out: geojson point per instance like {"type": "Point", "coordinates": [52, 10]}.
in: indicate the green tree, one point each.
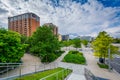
{"type": "Point", "coordinates": [24, 39]}
{"type": "Point", "coordinates": [116, 40]}
{"type": "Point", "coordinates": [44, 43]}
{"type": "Point", "coordinates": [77, 42]}
{"type": "Point", "coordinates": [85, 42]}
{"type": "Point", "coordinates": [66, 43]}
{"type": "Point", "coordinates": [11, 49]}
{"type": "Point", "coordinates": [102, 43]}
{"type": "Point", "coordinates": [113, 50]}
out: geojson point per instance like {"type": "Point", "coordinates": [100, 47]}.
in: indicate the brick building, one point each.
{"type": "Point", "coordinates": [53, 27]}
{"type": "Point", "coordinates": [24, 24]}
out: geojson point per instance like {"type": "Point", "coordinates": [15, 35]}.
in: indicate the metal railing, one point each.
{"type": "Point", "coordinates": [8, 71]}
{"type": "Point", "coordinates": [56, 75]}
{"type": "Point", "coordinates": [89, 75]}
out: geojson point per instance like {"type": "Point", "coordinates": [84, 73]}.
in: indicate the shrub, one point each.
{"type": "Point", "coordinates": [102, 65]}
{"type": "Point", "coordinates": [52, 56]}
{"type": "Point", "coordinates": [49, 58]}
{"type": "Point", "coordinates": [74, 52]}
{"type": "Point", "coordinates": [74, 57]}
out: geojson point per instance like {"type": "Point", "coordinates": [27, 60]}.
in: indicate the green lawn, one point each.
{"type": "Point", "coordinates": [74, 57]}
{"type": "Point", "coordinates": [39, 75]}
{"type": "Point", "coordinates": [101, 65]}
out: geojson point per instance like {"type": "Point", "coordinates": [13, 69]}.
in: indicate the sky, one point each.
{"type": "Point", "coordinates": [74, 17]}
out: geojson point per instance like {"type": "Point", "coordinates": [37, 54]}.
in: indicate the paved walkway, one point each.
{"type": "Point", "coordinates": [29, 62]}
{"type": "Point", "coordinates": [93, 67]}
{"type": "Point", "coordinates": [78, 70]}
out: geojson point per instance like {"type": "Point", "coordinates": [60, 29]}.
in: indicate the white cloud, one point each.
{"type": "Point", "coordinates": [70, 17]}
{"type": "Point", "coordinates": [113, 29]}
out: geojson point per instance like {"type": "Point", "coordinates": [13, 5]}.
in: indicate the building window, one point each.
{"type": "Point", "coordinates": [19, 17]}
{"type": "Point", "coordinates": [11, 19]}
{"type": "Point", "coordinates": [23, 16]}
{"type": "Point", "coordinates": [26, 16]}
{"type": "Point", "coordinates": [37, 19]}
{"type": "Point", "coordinates": [15, 18]}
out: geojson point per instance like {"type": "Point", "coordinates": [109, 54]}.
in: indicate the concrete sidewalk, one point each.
{"type": "Point", "coordinates": [78, 70]}
{"type": "Point", "coordinates": [99, 72]}
{"type": "Point", "coordinates": [27, 67]}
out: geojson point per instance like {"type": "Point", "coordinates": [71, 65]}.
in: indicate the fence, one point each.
{"type": "Point", "coordinates": [60, 75]}
{"type": "Point", "coordinates": [89, 75]}
{"type": "Point", "coordinates": [8, 71]}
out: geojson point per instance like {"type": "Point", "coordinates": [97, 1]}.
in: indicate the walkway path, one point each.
{"type": "Point", "coordinates": [93, 67]}
{"type": "Point", "coordinates": [78, 70]}
{"type": "Point", "coordinates": [29, 62]}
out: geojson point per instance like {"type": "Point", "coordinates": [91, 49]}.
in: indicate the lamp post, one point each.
{"type": "Point", "coordinates": [109, 59]}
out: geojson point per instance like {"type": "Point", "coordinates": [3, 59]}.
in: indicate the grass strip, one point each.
{"type": "Point", "coordinates": [37, 76]}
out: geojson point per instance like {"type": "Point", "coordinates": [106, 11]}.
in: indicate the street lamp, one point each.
{"type": "Point", "coordinates": [109, 59]}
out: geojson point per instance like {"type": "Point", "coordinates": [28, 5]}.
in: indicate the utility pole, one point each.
{"type": "Point", "coordinates": [109, 59]}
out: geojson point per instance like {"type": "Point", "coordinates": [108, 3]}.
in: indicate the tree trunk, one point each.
{"type": "Point", "coordinates": [104, 58]}
{"type": "Point", "coordinates": [46, 58]}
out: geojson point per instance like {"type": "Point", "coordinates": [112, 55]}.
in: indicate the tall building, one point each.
{"type": "Point", "coordinates": [65, 37]}
{"type": "Point", "coordinates": [24, 24]}
{"type": "Point", "coordinates": [53, 27]}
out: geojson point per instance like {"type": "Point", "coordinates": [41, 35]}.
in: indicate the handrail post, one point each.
{"type": "Point", "coordinates": [7, 70]}
{"type": "Point", "coordinates": [35, 67]}
{"type": "Point", "coordinates": [20, 71]}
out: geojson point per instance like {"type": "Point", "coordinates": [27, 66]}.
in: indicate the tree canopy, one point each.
{"type": "Point", "coordinates": [102, 43]}
{"type": "Point", "coordinates": [77, 43]}
{"type": "Point", "coordinates": [116, 40]}
{"type": "Point", "coordinates": [11, 49]}
{"type": "Point", "coordinates": [44, 43]}
{"type": "Point", "coordinates": [85, 42]}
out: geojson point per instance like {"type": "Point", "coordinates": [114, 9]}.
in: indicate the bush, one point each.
{"type": "Point", "coordinates": [74, 57]}
{"type": "Point", "coordinates": [73, 52]}
{"type": "Point", "coordinates": [59, 53]}
{"type": "Point", "coordinates": [52, 56]}
{"type": "Point", "coordinates": [102, 65]}
{"type": "Point", "coordinates": [49, 58]}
